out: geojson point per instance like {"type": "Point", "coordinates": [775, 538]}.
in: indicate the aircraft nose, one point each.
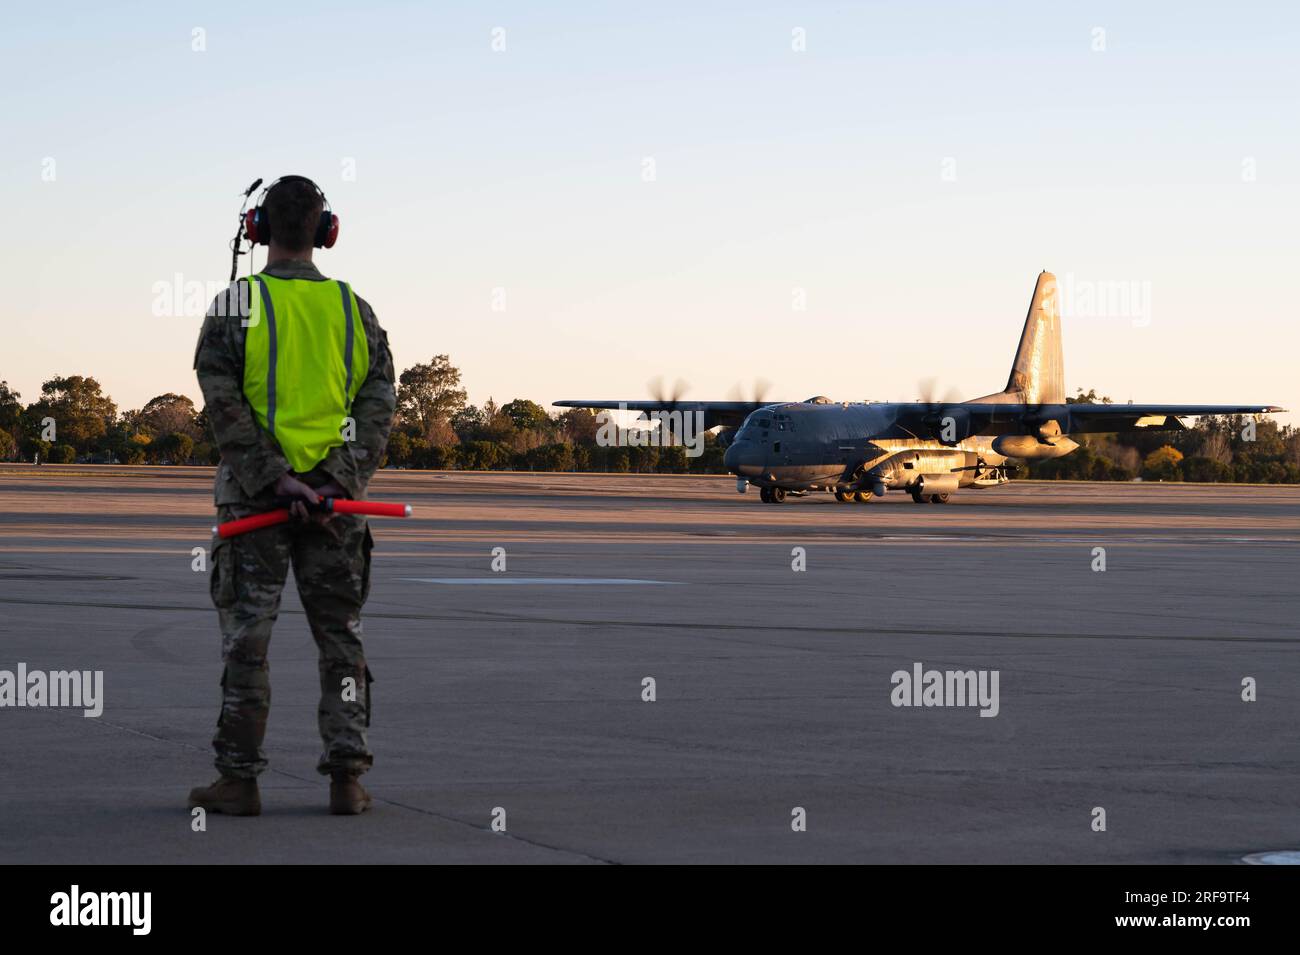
{"type": "Point", "coordinates": [743, 458]}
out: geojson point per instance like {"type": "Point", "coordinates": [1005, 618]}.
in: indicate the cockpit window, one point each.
{"type": "Point", "coordinates": [764, 422]}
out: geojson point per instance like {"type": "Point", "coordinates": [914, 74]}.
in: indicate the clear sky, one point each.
{"type": "Point", "coordinates": [904, 177]}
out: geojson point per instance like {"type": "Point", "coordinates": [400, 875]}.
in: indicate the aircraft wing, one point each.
{"type": "Point", "coordinates": [996, 418]}
{"type": "Point", "coordinates": [726, 413]}
{"type": "Point", "coordinates": [1083, 419]}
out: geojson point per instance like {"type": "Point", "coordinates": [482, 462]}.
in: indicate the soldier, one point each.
{"type": "Point", "coordinates": [298, 382]}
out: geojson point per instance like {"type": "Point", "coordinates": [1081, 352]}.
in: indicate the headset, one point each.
{"type": "Point", "coordinates": [257, 225]}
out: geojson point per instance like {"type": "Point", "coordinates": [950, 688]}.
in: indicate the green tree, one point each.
{"type": "Point", "coordinates": [526, 415]}
{"type": "Point", "coordinates": [1205, 469]}
{"type": "Point", "coordinates": [469, 423]}
{"type": "Point", "coordinates": [549, 457]}
{"type": "Point", "coordinates": [710, 462]}
{"type": "Point", "coordinates": [399, 449]}
{"type": "Point", "coordinates": [443, 457]}
{"type": "Point", "coordinates": [168, 414]}
{"type": "Point", "coordinates": [672, 460]}
{"type": "Point", "coordinates": [578, 425]}
{"type": "Point", "coordinates": [82, 413]}
{"type": "Point", "coordinates": [484, 456]}
{"type": "Point", "coordinates": [136, 450]}
{"type": "Point", "coordinates": [428, 395]}
{"type": "Point", "coordinates": [642, 459]}
{"type": "Point", "coordinates": [497, 425]}
{"type": "Point", "coordinates": [11, 410]}
{"type": "Point", "coordinates": [206, 453]}
{"type": "Point", "coordinates": [174, 448]}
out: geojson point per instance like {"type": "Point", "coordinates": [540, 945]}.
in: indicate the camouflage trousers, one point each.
{"type": "Point", "coordinates": [331, 566]}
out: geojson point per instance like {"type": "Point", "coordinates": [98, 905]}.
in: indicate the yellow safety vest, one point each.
{"type": "Point", "coordinates": [305, 357]}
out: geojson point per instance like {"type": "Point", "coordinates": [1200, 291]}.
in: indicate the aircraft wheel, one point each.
{"type": "Point", "coordinates": [864, 497]}
{"type": "Point", "coordinates": [844, 497]}
{"type": "Point", "coordinates": [919, 498]}
{"type": "Point", "coordinates": [939, 499]}
{"type": "Point", "coordinates": [778, 495]}
{"type": "Point", "coordinates": [765, 495]}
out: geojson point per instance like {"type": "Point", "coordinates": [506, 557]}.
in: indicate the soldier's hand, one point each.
{"type": "Point", "coordinates": [290, 486]}
{"type": "Point", "coordinates": [330, 489]}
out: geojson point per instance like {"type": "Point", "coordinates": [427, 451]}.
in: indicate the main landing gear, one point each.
{"type": "Point", "coordinates": [850, 496]}
{"type": "Point", "coordinates": [919, 498]}
{"type": "Point", "coordinates": [772, 495]}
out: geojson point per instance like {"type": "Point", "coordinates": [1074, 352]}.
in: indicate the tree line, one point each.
{"type": "Point", "coordinates": [1234, 448]}
{"type": "Point", "coordinates": [74, 421]}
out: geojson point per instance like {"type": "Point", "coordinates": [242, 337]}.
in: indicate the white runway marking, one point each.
{"type": "Point", "coordinates": [1281, 857]}
{"type": "Point", "coordinates": [536, 581]}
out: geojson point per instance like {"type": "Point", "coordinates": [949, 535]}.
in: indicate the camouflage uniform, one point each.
{"type": "Point", "coordinates": [331, 561]}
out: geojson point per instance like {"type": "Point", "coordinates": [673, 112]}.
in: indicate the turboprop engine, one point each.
{"type": "Point", "coordinates": [1029, 446]}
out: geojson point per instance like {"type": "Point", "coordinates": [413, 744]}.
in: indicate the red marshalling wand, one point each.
{"type": "Point", "coordinates": [335, 505]}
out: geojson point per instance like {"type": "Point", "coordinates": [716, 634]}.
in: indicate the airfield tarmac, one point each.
{"type": "Point", "coordinates": [1118, 689]}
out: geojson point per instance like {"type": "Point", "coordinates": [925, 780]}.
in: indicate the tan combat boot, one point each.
{"type": "Point", "coordinates": [347, 796]}
{"type": "Point", "coordinates": [230, 795]}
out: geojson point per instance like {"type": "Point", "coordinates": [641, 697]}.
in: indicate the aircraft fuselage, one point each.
{"type": "Point", "coordinates": [858, 447]}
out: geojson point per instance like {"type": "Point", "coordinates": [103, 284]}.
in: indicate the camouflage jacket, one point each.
{"type": "Point", "coordinates": [251, 459]}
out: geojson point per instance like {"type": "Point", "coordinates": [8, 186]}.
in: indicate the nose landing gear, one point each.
{"type": "Point", "coordinates": [772, 495]}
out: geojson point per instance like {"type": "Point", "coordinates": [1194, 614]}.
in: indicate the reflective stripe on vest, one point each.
{"type": "Point", "coordinates": [305, 357]}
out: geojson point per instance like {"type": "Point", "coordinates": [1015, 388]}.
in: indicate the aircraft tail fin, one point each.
{"type": "Point", "coordinates": [1038, 372]}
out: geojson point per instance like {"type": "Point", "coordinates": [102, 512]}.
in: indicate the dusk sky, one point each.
{"type": "Point", "coordinates": [840, 198]}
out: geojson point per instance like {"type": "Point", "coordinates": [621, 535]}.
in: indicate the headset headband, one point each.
{"type": "Point", "coordinates": [257, 224]}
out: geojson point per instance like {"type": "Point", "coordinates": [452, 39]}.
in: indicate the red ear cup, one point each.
{"type": "Point", "coordinates": [332, 233]}
{"type": "Point", "coordinates": [252, 221]}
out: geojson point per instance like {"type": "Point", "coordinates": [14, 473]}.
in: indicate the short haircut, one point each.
{"type": "Point", "coordinates": [294, 207]}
